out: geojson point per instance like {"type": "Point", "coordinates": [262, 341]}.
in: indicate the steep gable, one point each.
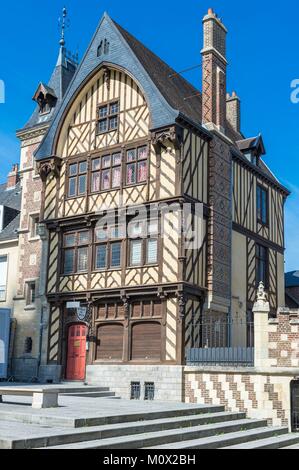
{"type": "Point", "coordinates": [165, 96]}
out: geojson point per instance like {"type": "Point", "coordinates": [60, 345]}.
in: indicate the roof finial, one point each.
{"type": "Point", "coordinates": [64, 25]}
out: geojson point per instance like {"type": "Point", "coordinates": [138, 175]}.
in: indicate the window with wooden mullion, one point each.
{"type": "Point", "coordinates": [108, 249]}
{"type": "Point", "coordinates": [77, 179]}
{"type": "Point", "coordinates": [137, 165]}
{"type": "Point", "coordinates": [108, 117]}
{"type": "Point", "coordinates": [144, 244]}
{"type": "Point", "coordinates": [106, 172]}
{"type": "Point", "coordinates": [76, 247]}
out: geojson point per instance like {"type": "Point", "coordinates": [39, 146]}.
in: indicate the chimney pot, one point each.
{"type": "Point", "coordinates": [13, 177]}
{"type": "Point", "coordinates": [233, 111]}
{"type": "Point", "coordinates": [214, 72]}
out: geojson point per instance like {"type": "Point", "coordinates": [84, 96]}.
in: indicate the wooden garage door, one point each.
{"type": "Point", "coordinates": [110, 342]}
{"type": "Point", "coordinates": [146, 341]}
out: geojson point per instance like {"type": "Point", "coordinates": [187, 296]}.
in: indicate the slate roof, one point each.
{"type": "Point", "coordinates": [252, 143]}
{"type": "Point", "coordinates": [58, 84]}
{"type": "Point", "coordinates": [291, 300]}
{"type": "Point", "coordinates": [175, 89]}
{"type": "Point", "coordinates": [292, 279]}
{"type": "Point", "coordinates": [11, 198]}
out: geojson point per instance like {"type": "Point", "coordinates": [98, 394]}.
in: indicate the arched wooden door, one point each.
{"type": "Point", "coordinates": [76, 354]}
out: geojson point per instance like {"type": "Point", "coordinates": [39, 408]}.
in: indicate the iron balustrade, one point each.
{"type": "Point", "coordinates": [220, 343]}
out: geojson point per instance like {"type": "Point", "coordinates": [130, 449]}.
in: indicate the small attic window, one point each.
{"type": "Point", "coordinates": [46, 99]}
{"type": "Point", "coordinates": [44, 107]}
{"type": "Point", "coordinates": [251, 157]}
{"type": "Point", "coordinates": [103, 48]}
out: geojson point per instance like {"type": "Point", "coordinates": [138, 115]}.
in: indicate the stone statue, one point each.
{"type": "Point", "coordinates": [261, 293]}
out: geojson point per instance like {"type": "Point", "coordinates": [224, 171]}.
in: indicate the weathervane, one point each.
{"type": "Point", "coordinates": [64, 23]}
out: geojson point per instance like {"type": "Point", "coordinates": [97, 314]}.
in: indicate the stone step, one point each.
{"type": "Point", "coordinates": [102, 394]}
{"type": "Point", "coordinates": [274, 442]}
{"type": "Point", "coordinates": [105, 432]}
{"type": "Point", "coordinates": [87, 389]}
{"type": "Point", "coordinates": [168, 436]}
{"type": "Point", "coordinates": [46, 419]}
{"type": "Point", "coordinates": [223, 441]}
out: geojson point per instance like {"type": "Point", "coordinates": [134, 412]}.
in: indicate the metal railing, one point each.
{"type": "Point", "coordinates": [235, 357]}
{"type": "Point", "coordinates": [220, 343]}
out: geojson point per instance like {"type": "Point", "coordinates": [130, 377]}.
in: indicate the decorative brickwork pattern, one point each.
{"type": "Point", "coordinates": [258, 395]}
{"type": "Point", "coordinates": [284, 339]}
{"type": "Point", "coordinates": [219, 227]}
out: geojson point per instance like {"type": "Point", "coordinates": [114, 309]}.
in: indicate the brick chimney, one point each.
{"type": "Point", "coordinates": [233, 111]}
{"type": "Point", "coordinates": [13, 177]}
{"type": "Point", "coordinates": [214, 72]}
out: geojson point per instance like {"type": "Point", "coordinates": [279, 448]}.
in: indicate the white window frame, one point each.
{"type": "Point", "coordinates": [6, 279]}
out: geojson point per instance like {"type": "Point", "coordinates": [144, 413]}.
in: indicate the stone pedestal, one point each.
{"type": "Point", "coordinates": [45, 400]}
{"type": "Point", "coordinates": [261, 312]}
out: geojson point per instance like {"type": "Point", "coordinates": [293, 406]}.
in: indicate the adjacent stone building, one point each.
{"type": "Point", "coordinates": [10, 207]}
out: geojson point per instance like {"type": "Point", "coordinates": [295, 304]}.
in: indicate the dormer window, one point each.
{"type": "Point", "coordinates": [251, 157]}
{"type": "Point", "coordinates": [46, 99]}
{"type": "Point", "coordinates": [103, 48]}
{"type": "Point", "coordinates": [252, 149]}
{"type": "Point", "coordinates": [44, 107]}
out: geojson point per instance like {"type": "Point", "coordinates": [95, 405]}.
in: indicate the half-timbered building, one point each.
{"type": "Point", "coordinates": [130, 131]}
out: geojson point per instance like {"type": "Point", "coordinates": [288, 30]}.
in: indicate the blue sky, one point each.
{"type": "Point", "coordinates": [262, 55]}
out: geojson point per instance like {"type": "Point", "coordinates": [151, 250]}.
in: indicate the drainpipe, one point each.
{"type": "Point", "coordinates": [40, 340]}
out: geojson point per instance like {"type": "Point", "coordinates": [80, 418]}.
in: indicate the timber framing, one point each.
{"type": "Point", "coordinates": [238, 156]}
{"type": "Point", "coordinates": [144, 298]}
{"type": "Point", "coordinates": [254, 236]}
{"type": "Point", "coordinates": [92, 217]}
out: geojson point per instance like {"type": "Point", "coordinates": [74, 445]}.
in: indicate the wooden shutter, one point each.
{"type": "Point", "coordinates": [110, 342]}
{"type": "Point", "coordinates": [146, 341]}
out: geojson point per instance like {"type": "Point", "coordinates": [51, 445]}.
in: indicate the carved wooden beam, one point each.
{"type": "Point", "coordinates": [173, 134]}
{"type": "Point", "coordinates": [46, 167]}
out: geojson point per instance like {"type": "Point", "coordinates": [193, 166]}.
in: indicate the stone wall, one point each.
{"type": "Point", "coordinates": [168, 380]}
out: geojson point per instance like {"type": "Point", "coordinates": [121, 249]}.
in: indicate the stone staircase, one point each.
{"type": "Point", "coordinates": [208, 427]}
{"type": "Point", "coordinates": [88, 392]}
{"type": "Point", "coordinates": [134, 425]}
